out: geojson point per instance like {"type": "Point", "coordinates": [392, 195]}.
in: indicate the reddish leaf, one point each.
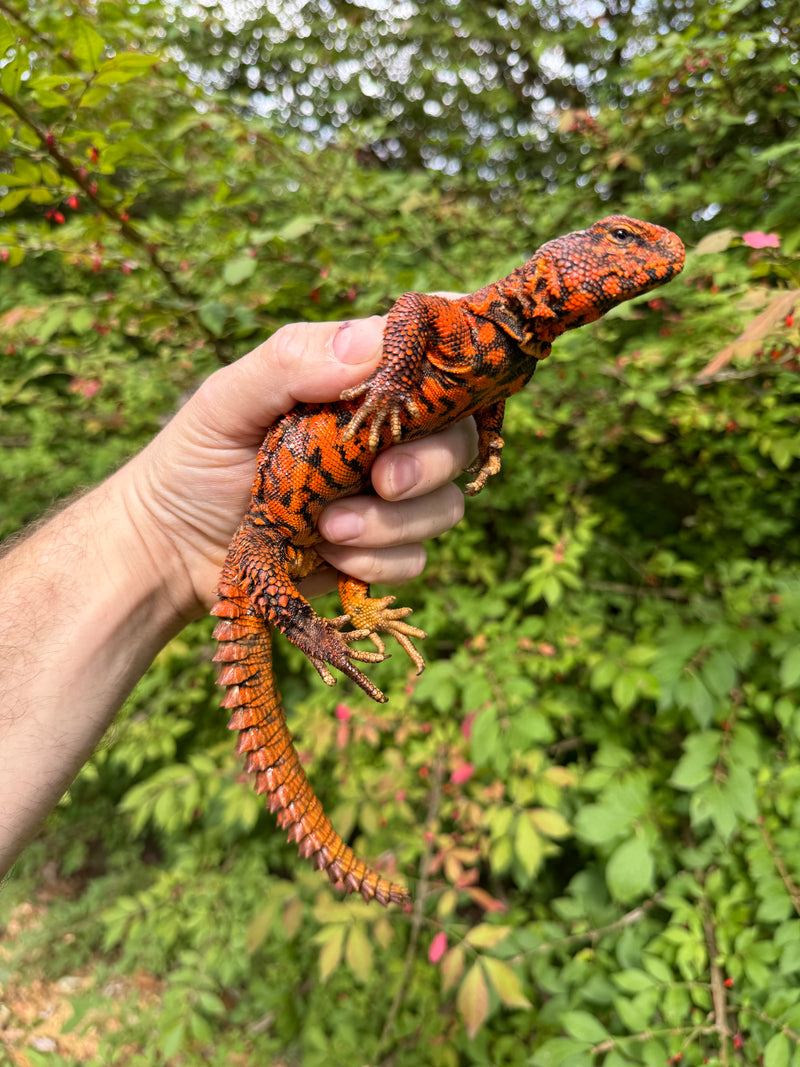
{"type": "Point", "coordinates": [486, 900]}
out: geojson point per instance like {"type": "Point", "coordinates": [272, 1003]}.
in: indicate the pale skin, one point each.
{"type": "Point", "coordinates": [89, 598]}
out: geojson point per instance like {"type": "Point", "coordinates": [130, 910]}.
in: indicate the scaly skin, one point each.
{"type": "Point", "coordinates": [442, 361]}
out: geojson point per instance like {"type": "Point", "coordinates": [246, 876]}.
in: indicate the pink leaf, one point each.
{"type": "Point", "coordinates": [438, 947]}
{"type": "Point", "coordinates": [757, 239]}
{"type": "Point", "coordinates": [462, 774]}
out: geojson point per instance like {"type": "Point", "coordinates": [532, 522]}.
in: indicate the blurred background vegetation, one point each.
{"type": "Point", "coordinates": [593, 791]}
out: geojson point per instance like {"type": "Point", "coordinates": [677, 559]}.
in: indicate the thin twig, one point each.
{"type": "Point", "coordinates": [791, 887]}
{"type": "Point", "coordinates": [718, 995]}
{"type": "Point", "coordinates": [631, 917]}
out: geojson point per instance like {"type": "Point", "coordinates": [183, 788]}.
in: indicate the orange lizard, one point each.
{"type": "Point", "coordinates": [443, 360]}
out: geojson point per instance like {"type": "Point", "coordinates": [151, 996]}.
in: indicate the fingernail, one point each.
{"type": "Point", "coordinates": [357, 341]}
{"type": "Point", "coordinates": [342, 525]}
{"type": "Point", "coordinates": [403, 474]}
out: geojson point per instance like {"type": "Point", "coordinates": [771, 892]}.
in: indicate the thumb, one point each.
{"type": "Point", "coordinates": [312, 361]}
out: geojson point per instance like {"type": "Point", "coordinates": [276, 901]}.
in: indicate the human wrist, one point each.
{"type": "Point", "coordinates": [145, 560]}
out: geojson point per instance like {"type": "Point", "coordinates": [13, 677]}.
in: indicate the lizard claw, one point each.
{"type": "Point", "coordinates": [331, 649]}
{"type": "Point", "coordinates": [378, 409]}
{"type": "Point", "coordinates": [487, 463]}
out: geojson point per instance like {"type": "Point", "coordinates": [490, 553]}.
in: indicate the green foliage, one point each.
{"type": "Point", "coordinates": [592, 791]}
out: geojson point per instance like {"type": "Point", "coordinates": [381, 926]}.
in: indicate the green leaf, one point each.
{"type": "Point", "coordinates": [549, 822]}
{"type": "Point", "coordinates": [238, 270]}
{"type": "Point", "coordinates": [11, 76]}
{"type": "Point", "coordinates": [80, 320]}
{"type": "Point", "coordinates": [527, 845]}
{"type": "Point", "coordinates": [87, 44]}
{"type": "Point", "coordinates": [597, 824]}
{"type": "Point", "coordinates": [556, 1052]}
{"type": "Point", "coordinates": [331, 952]}
{"type": "Point", "coordinates": [299, 226]}
{"type": "Point", "coordinates": [486, 935]}
{"type": "Point", "coordinates": [505, 983]}
{"type": "Point", "coordinates": [259, 927]}
{"type": "Point", "coordinates": [7, 35]}
{"type": "Point", "coordinates": [93, 96]}
{"type": "Point", "coordinates": [696, 766]}
{"type": "Point", "coordinates": [790, 668]}
{"type": "Point", "coordinates": [625, 689]}
{"type": "Point", "coordinates": [358, 953]}
{"type": "Point", "coordinates": [171, 1039]}
{"type": "Point", "coordinates": [13, 199]}
{"type": "Point", "coordinates": [630, 871]}
{"type": "Point", "coordinates": [213, 316]}
{"type": "Point", "coordinates": [583, 1027]}
{"type": "Point", "coordinates": [719, 673]}
{"type": "Point", "coordinates": [777, 1051]}
{"type": "Point", "coordinates": [124, 68]}
{"type": "Point", "coordinates": [634, 980]}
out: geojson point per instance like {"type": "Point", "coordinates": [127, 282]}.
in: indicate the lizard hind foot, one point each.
{"type": "Point", "coordinates": [328, 646]}
{"type": "Point", "coordinates": [373, 616]}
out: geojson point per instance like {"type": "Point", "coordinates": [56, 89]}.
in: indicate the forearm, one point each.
{"type": "Point", "coordinates": [82, 613]}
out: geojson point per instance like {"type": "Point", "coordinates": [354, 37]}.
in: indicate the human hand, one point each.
{"type": "Point", "coordinates": [189, 488]}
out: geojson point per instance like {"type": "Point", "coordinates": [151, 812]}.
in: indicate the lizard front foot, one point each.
{"type": "Point", "coordinates": [381, 403]}
{"type": "Point", "coordinates": [489, 421]}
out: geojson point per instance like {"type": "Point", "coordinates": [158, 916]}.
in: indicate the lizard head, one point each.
{"type": "Point", "coordinates": [590, 271]}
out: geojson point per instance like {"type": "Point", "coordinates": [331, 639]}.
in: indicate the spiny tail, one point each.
{"type": "Point", "coordinates": [258, 715]}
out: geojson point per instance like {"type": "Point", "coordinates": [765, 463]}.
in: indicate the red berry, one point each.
{"type": "Point", "coordinates": [73, 202]}
{"type": "Point", "coordinates": [124, 216]}
{"type": "Point", "coordinates": [789, 320]}
{"type": "Point", "coordinates": [728, 983]}
{"type": "Point", "coordinates": [94, 154]}
{"type": "Point", "coordinates": [59, 218]}
{"type": "Point", "coordinates": [738, 1041]}
{"type": "Point", "coordinates": [4, 255]}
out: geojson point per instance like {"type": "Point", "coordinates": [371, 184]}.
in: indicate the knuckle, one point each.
{"type": "Point", "coordinates": [392, 567]}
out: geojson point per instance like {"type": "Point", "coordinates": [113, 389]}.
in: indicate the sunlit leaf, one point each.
{"type": "Point", "coordinates": [472, 1000]}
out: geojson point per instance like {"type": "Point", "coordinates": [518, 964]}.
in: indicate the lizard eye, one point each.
{"type": "Point", "coordinates": [622, 235]}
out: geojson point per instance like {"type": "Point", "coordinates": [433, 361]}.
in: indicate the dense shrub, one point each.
{"type": "Point", "coordinates": [592, 789]}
